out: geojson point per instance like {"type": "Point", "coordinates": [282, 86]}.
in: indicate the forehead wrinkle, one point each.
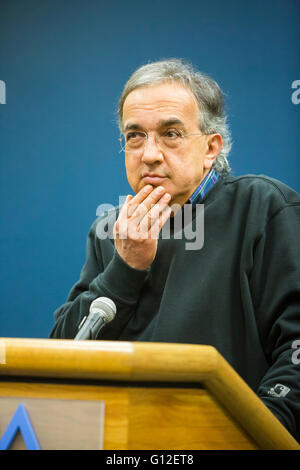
{"type": "Point", "coordinates": [135, 115]}
{"type": "Point", "coordinates": [158, 106]}
{"type": "Point", "coordinates": [162, 102]}
{"type": "Point", "coordinates": [154, 102]}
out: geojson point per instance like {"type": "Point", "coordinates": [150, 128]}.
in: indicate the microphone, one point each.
{"type": "Point", "coordinates": [102, 311]}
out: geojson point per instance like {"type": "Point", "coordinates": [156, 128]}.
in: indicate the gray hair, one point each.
{"type": "Point", "coordinates": [207, 92]}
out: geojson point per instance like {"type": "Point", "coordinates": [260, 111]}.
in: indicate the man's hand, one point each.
{"type": "Point", "coordinates": [137, 229]}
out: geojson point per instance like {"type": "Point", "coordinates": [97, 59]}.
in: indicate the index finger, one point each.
{"type": "Point", "coordinates": [141, 209]}
{"type": "Point", "coordinates": [138, 199]}
{"type": "Point", "coordinates": [126, 209]}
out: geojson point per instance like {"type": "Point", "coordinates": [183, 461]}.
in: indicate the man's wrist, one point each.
{"type": "Point", "coordinates": [122, 281]}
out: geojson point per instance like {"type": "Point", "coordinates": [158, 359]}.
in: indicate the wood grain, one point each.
{"type": "Point", "coordinates": [146, 418]}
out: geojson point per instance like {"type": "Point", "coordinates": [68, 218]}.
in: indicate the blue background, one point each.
{"type": "Point", "coordinates": [64, 64]}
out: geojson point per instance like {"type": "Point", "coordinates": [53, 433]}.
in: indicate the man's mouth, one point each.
{"type": "Point", "coordinates": [153, 178]}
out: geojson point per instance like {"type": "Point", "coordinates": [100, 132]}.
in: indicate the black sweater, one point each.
{"type": "Point", "coordinates": [239, 293]}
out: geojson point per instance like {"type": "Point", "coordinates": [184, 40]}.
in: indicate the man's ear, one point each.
{"type": "Point", "coordinates": [214, 145]}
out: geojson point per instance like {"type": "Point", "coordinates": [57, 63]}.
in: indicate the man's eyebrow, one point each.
{"type": "Point", "coordinates": [162, 123]}
{"type": "Point", "coordinates": [170, 122]}
{"type": "Point", "coordinates": [132, 127]}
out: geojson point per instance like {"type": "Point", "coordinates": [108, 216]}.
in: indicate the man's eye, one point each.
{"type": "Point", "coordinates": [172, 134]}
{"type": "Point", "coordinates": [133, 136]}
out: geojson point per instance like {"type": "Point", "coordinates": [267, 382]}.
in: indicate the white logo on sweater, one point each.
{"type": "Point", "coordinates": [279, 391]}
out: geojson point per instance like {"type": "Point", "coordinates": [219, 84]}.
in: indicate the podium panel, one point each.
{"type": "Point", "coordinates": [155, 396]}
{"type": "Point", "coordinates": [136, 417]}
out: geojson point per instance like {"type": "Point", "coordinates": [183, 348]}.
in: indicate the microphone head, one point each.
{"type": "Point", "coordinates": [105, 307]}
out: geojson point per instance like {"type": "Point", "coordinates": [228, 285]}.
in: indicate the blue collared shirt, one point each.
{"type": "Point", "coordinates": [206, 184]}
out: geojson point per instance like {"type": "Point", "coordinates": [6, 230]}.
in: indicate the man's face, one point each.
{"type": "Point", "coordinates": [157, 110]}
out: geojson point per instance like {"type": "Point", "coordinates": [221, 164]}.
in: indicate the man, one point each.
{"type": "Point", "coordinates": [240, 291]}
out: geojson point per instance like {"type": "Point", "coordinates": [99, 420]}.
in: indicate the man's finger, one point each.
{"type": "Point", "coordinates": [159, 222]}
{"type": "Point", "coordinates": [154, 213]}
{"type": "Point", "coordinates": [138, 199]}
{"type": "Point", "coordinates": [146, 205]}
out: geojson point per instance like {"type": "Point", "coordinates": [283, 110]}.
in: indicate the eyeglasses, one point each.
{"type": "Point", "coordinates": [135, 141]}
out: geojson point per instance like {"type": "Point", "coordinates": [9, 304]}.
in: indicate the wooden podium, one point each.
{"type": "Point", "coordinates": [156, 396]}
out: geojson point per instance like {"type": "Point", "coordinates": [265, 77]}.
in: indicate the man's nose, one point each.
{"type": "Point", "coordinates": [151, 152]}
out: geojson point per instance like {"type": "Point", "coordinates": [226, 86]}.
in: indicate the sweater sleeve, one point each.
{"type": "Point", "coordinates": [104, 274]}
{"type": "Point", "coordinates": [275, 284]}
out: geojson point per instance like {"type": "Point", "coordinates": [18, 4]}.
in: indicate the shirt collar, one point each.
{"type": "Point", "coordinates": [206, 184]}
